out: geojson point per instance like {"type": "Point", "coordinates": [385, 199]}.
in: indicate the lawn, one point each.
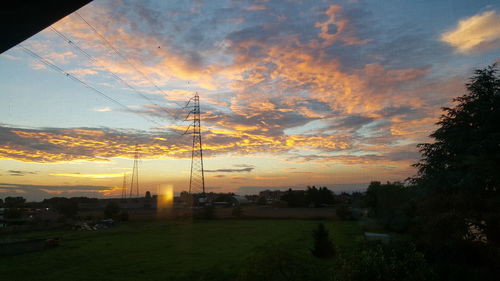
{"type": "Point", "coordinates": [163, 250]}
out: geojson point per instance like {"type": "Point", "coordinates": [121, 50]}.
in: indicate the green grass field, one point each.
{"type": "Point", "coordinates": [163, 250]}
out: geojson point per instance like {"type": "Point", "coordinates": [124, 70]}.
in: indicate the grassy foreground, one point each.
{"type": "Point", "coordinates": [163, 250]}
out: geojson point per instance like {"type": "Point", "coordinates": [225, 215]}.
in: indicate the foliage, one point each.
{"type": "Point", "coordinates": [459, 178]}
{"type": "Point", "coordinates": [112, 209]}
{"type": "Point", "coordinates": [14, 202]}
{"type": "Point", "coordinates": [323, 246]}
{"type": "Point", "coordinates": [319, 196]}
{"type": "Point", "coordinates": [294, 198]}
{"type": "Point", "coordinates": [391, 204]}
{"type": "Point", "coordinates": [64, 206]}
{"type": "Point", "coordinates": [387, 263]}
{"type": "Point", "coordinates": [344, 212]}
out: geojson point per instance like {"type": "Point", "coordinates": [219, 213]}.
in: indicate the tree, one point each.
{"type": "Point", "coordinates": [14, 202]}
{"type": "Point", "coordinates": [323, 246]}
{"type": "Point", "coordinates": [294, 198]}
{"type": "Point", "coordinates": [458, 173]}
{"type": "Point", "coordinates": [112, 209]}
{"type": "Point", "coordinates": [391, 204]}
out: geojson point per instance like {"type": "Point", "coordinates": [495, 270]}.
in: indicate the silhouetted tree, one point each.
{"type": "Point", "coordinates": [323, 246]}
{"type": "Point", "coordinates": [64, 206]}
{"type": "Point", "coordinates": [294, 198]}
{"type": "Point", "coordinates": [14, 202]}
{"type": "Point", "coordinates": [459, 172]}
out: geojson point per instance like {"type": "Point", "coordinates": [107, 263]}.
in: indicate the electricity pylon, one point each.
{"type": "Point", "coordinates": [135, 173]}
{"type": "Point", "coordinates": [197, 177]}
{"type": "Point", "coordinates": [124, 186]}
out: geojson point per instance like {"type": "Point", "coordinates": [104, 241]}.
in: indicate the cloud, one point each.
{"type": "Point", "coordinates": [18, 173]}
{"type": "Point", "coordinates": [249, 169]}
{"type": "Point", "coordinates": [479, 33]}
{"type": "Point", "coordinates": [88, 176]}
{"type": "Point", "coordinates": [39, 192]}
{"type": "Point", "coordinates": [104, 109]}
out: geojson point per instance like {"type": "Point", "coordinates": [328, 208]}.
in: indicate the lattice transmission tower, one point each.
{"type": "Point", "coordinates": [124, 186]}
{"type": "Point", "coordinates": [197, 178]}
{"type": "Point", "coordinates": [135, 173]}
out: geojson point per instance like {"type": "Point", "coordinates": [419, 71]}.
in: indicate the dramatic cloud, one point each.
{"type": "Point", "coordinates": [477, 33]}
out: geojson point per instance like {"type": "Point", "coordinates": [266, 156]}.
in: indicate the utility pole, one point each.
{"type": "Point", "coordinates": [135, 173]}
{"type": "Point", "coordinates": [197, 177]}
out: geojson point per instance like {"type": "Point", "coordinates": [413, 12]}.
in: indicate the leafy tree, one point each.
{"type": "Point", "coordinates": [294, 198]}
{"type": "Point", "coordinates": [1, 202]}
{"type": "Point", "coordinates": [459, 172]}
{"type": "Point", "coordinates": [323, 246]}
{"type": "Point", "coordinates": [14, 202]}
{"type": "Point", "coordinates": [112, 209]}
{"type": "Point", "coordinates": [64, 206]}
{"type": "Point", "coordinates": [391, 204]}
{"type": "Point", "coordinates": [319, 196]}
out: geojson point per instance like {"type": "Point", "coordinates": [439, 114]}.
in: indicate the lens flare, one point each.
{"type": "Point", "coordinates": [165, 198]}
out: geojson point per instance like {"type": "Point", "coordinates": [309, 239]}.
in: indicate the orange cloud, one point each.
{"type": "Point", "coordinates": [480, 32]}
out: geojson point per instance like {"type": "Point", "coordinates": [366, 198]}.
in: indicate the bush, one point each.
{"type": "Point", "coordinates": [323, 246]}
{"type": "Point", "coordinates": [388, 263]}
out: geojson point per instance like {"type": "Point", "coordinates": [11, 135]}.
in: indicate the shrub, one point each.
{"type": "Point", "coordinates": [323, 246]}
{"type": "Point", "coordinates": [388, 263]}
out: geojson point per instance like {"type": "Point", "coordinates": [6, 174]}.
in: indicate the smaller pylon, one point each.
{"type": "Point", "coordinates": [135, 173]}
{"type": "Point", "coordinates": [124, 186]}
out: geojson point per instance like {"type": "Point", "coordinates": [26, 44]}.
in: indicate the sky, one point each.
{"type": "Point", "coordinates": [292, 93]}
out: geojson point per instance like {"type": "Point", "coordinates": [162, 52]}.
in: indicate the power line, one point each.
{"type": "Point", "coordinates": [60, 70]}
{"type": "Point", "coordinates": [123, 57]}
{"type": "Point", "coordinates": [73, 44]}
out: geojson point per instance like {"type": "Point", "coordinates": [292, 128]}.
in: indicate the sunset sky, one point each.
{"type": "Point", "coordinates": [293, 93]}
